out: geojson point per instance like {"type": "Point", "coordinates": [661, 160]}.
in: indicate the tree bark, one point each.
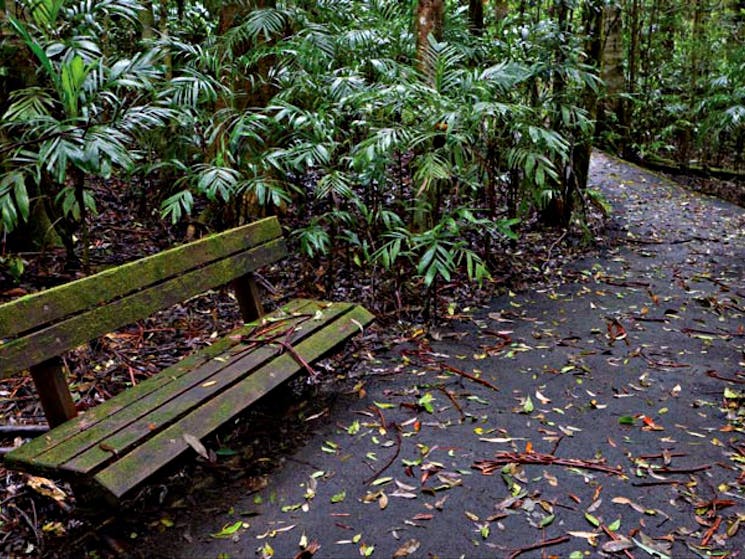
{"type": "Point", "coordinates": [633, 62]}
{"type": "Point", "coordinates": [476, 16]}
{"type": "Point", "coordinates": [612, 71]}
{"type": "Point", "coordinates": [147, 21]}
{"type": "Point", "coordinates": [430, 20]}
{"type": "Point", "coordinates": [163, 29]}
{"type": "Point", "coordinates": [698, 43]}
{"type": "Point", "coordinates": [593, 18]}
{"type": "Point", "coordinates": [501, 9]}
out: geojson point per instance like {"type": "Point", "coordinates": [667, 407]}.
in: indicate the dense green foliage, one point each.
{"type": "Point", "coordinates": [412, 164]}
{"type": "Point", "coordinates": [685, 89]}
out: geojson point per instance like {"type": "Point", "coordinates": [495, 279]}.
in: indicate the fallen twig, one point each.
{"type": "Point", "coordinates": [392, 459]}
{"type": "Point", "coordinates": [285, 344]}
{"type": "Point", "coordinates": [552, 247]}
{"type": "Point", "coordinates": [539, 545]}
{"type": "Point", "coordinates": [623, 283]}
{"type": "Point", "coordinates": [665, 470]}
{"type": "Point", "coordinates": [711, 531]}
{"type": "Point", "coordinates": [451, 369]}
{"type": "Point", "coordinates": [713, 374]}
{"type": "Point", "coordinates": [451, 397]}
{"type": "Point", "coordinates": [662, 455]}
{"type": "Point", "coordinates": [658, 482]}
{"type": "Point", "coordinates": [488, 467]}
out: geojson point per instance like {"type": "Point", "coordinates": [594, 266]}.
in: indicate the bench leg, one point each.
{"type": "Point", "coordinates": [54, 394]}
{"type": "Point", "coordinates": [249, 300]}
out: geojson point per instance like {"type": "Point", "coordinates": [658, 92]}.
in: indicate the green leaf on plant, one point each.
{"type": "Point", "coordinates": [339, 497]}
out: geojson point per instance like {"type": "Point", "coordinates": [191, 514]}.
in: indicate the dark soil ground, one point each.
{"type": "Point", "coordinates": [596, 411]}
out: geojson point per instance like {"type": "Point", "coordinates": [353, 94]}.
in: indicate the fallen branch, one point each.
{"type": "Point", "coordinates": [539, 545]}
{"type": "Point", "coordinates": [623, 283]}
{"type": "Point", "coordinates": [658, 482]}
{"type": "Point", "coordinates": [713, 374]}
{"type": "Point", "coordinates": [451, 369]}
{"type": "Point", "coordinates": [691, 470]}
{"type": "Point", "coordinates": [711, 531]}
{"type": "Point", "coordinates": [392, 459]}
{"type": "Point", "coordinates": [488, 467]}
{"type": "Point", "coordinates": [451, 397]}
{"type": "Point", "coordinates": [253, 341]}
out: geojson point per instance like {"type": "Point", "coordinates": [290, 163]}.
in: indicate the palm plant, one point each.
{"type": "Point", "coordinates": [82, 119]}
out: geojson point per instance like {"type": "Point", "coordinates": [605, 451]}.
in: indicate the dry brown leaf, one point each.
{"type": "Point", "coordinates": [46, 487]}
{"type": "Point", "coordinates": [197, 445]}
{"type": "Point", "coordinates": [407, 549]}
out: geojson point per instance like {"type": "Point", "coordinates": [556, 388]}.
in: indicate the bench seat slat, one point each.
{"type": "Point", "coordinates": [116, 435]}
{"type": "Point", "coordinates": [62, 336]}
{"type": "Point", "coordinates": [43, 451]}
{"type": "Point", "coordinates": [135, 467]}
{"type": "Point", "coordinates": [28, 312]}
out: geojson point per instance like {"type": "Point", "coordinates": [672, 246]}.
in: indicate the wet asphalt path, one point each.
{"type": "Point", "coordinates": [605, 419]}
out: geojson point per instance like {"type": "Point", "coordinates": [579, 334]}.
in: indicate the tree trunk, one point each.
{"type": "Point", "coordinates": [163, 28]}
{"type": "Point", "coordinates": [633, 61]}
{"type": "Point", "coordinates": [476, 16]}
{"type": "Point", "coordinates": [698, 42]}
{"type": "Point", "coordinates": [430, 20]}
{"type": "Point", "coordinates": [147, 21]}
{"type": "Point", "coordinates": [612, 71]}
{"type": "Point", "coordinates": [501, 9]}
{"type": "Point", "coordinates": [593, 18]}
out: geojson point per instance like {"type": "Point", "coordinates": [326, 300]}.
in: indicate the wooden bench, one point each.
{"type": "Point", "coordinates": [115, 446]}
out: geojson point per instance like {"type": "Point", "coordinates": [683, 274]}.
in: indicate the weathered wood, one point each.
{"type": "Point", "coordinates": [31, 451]}
{"type": "Point", "coordinates": [29, 312]}
{"type": "Point", "coordinates": [123, 441]}
{"type": "Point", "coordinates": [117, 433]}
{"type": "Point", "coordinates": [248, 297]}
{"type": "Point", "coordinates": [62, 336]}
{"type": "Point", "coordinates": [54, 394]}
{"type": "Point", "coordinates": [132, 469]}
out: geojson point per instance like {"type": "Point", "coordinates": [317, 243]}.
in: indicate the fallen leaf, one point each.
{"type": "Point", "coordinates": [46, 487]}
{"type": "Point", "coordinates": [197, 445]}
{"type": "Point", "coordinates": [528, 406]}
{"type": "Point", "coordinates": [410, 547]}
{"type": "Point", "coordinates": [383, 501]}
{"type": "Point", "coordinates": [228, 530]}
{"type": "Point", "coordinates": [308, 551]}
{"type": "Point", "coordinates": [655, 549]}
{"type": "Point", "coordinates": [614, 546]}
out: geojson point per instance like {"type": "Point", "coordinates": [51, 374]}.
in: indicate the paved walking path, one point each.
{"type": "Point", "coordinates": [607, 411]}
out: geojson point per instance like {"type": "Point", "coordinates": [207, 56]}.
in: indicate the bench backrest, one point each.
{"type": "Point", "coordinates": [37, 327]}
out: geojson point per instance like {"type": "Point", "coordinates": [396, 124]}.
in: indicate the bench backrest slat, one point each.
{"type": "Point", "coordinates": [72, 314]}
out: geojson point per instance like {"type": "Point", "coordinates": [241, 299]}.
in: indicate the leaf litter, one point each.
{"type": "Point", "coordinates": [672, 482]}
